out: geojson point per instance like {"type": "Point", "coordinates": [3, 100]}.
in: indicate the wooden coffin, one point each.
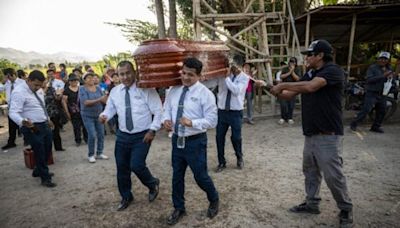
{"type": "Point", "coordinates": [159, 61]}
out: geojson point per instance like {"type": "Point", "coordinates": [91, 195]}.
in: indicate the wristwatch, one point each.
{"type": "Point", "coordinates": [153, 132]}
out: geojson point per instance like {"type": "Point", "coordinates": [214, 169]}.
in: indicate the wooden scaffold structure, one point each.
{"type": "Point", "coordinates": [262, 30]}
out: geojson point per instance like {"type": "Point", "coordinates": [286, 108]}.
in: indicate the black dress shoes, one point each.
{"type": "Point", "coordinates": [8, 146]}
{"type": "Point", "coordinates": [36, 174]}
{"type": "Point", "coordinates": [175, 217]}
{"type": "Point", "coordinates": [377, 130]}
{"type": "Point", "coordinates": [213, 209]}
{"type": "Point", "coordinates": [153, 193]}
{"type": "Point", "coordinates": [48, 183]}
{"type": "Point", "coordinates": [62, 149]}
{"type": "Point", "coordinates": [240, 163]}
{"type": "Point", "coordinates": [220, 167]}
{"type": "Point", "coordinates": [124, 204]}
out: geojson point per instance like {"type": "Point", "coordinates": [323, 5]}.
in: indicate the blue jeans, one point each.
{"type": "Point", "coordinates": [130, 156]}
{"type": "Point", "coordinates": [193, 155]}
{"type": "Point", "coordinates": [94, 128]}
{"type": "Point", "coordinates": [234, 120]}
{"type": "Point", "coordinates": [287, 109]}
{"type": "Point", "coordinates": [41, 142]}
{"type": "Point", "coordinates": [371, 100]}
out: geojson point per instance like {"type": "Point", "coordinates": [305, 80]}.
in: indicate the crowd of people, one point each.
{"type": "Point", "coordinates": [39, 107]}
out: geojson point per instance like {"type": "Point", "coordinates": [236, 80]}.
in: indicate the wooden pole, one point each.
{"type": "Point", "coordinates": [249, 27]}
{"type": "Point", "coordinates": [266, 49]}
{"type": "Point", "coordinates": [291, 19]}
{"type": "Point", "coordinates": [351, 43]}
{"type": "Point", "coordinates": [196, 14]}
{"type": "Point", "coordinates": [307, 40]}
{"type": "Point", "coordinates": [205, 24]}
{"type": "Point", "coordinates": [248, 6]}
{"type": "Point", "coordinates": [210, 8]}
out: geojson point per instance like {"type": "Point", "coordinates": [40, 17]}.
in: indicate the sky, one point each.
{"type": "Point", "coordinates": [50, 26]}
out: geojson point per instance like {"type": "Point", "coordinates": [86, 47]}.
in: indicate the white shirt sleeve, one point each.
{"type": "Point", "coordinates": [17, 107]}
{"type": "Point", "coordinates": [210, 113]}
{"type": "Point", "coordinates": [155, 107]}
{"type": "Point", "coordinates": [167, 114]}
{"type": "Point", "coordinates": [239, 85]}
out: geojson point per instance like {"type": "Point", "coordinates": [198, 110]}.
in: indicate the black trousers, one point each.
{"type": "Point", "coordinates": [12, 131]}
{"type": "Point", "coordinates": [40, 140]}
{"type": "Point", "coordinates": [79, 128]}
{"type": "Point", "coordinates": [56, 133]}
{"type": "Point", "coordinates": [372, 99]}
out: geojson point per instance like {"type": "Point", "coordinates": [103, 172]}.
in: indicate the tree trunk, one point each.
{"type": "Point", "coordinates": [172, 19]}
{"type": "Point", "coordinates": [160, 19]}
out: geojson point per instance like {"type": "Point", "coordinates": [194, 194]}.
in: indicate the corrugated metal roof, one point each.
{"type": "Point", "coordinates": [375, 22]}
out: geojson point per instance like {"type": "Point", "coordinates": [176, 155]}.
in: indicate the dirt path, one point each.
{"type": "Point", "coordinates": [258, 196]}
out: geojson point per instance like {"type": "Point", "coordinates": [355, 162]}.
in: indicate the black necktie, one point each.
{"type": "Point", "coordinates": [228, 97]}
{"type": "Point", "coordinates": [180, 108]}
{"type": "Point", "coordinates": [128, 110]}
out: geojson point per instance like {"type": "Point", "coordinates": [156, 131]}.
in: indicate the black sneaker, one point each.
{"type": "Point", "coordinates": [346, 219]}
{"type": "Point", "coordinates": [376, 129]}
{"type": "Point", "coordinates": [353, 126]}
{"type": "Point", "coordinates": [304, 208]}
{"type": "Point", "coordinates": [8, 146]}
{"type": "Point", "coordinates": [49, 184]}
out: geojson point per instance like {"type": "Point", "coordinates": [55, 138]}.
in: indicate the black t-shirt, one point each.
{"type": "Point", "coordinates": [72, 101]}
{"type": "Point", "coordinates": [322, 110]}
{"type": "Point", "coordinates": [72, 96]}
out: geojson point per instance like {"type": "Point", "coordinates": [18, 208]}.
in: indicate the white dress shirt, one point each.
{"type": "Point", "coordinates": [237, 88]}
{"type": "Point", "coordinates": [24, 104]}
{"type": "Point", "coordinates": [199, 106]}
{"type": "Point", "coordinates": [8, 86]}
{"type": "Point", "coordinates": [144, 104]}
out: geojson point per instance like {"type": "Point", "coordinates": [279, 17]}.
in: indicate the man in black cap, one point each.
{"type": "Point", "coordinates": [321, 88]}
{"type": "Point", "coordinates": [377, 74]}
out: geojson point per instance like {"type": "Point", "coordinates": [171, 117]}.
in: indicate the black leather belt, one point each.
{"type": "Point", "coordinates": [326, 133]}
{"type": "Point", "coordinates": [222, 110]}
{"type": "Point", "coordinates": [193, 137]}
{"type": "Point", "coordinates": [41, 123]}
{"type": "Point", "coordinates": [137, 133]}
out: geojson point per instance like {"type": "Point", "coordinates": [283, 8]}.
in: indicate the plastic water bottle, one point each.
{"type": "Point", "coordinates": [180, 142]}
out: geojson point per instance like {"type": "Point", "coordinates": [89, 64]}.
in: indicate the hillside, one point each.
{"type": "Point", "coordinates": [26, 58]}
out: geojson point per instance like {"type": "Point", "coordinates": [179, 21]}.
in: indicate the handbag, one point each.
{"type": "Point", "coordinates": [386, 87]}
{"type": "Point", "coordinates": [74, 107]}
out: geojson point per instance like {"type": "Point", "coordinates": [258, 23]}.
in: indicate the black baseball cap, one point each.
{"type": "Point", "coordinates": [318, 46]}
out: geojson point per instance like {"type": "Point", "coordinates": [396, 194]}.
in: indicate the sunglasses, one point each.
{"type": "Point", "coordinates": [311, 54]}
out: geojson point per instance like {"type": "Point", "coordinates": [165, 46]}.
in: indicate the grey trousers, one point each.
{"type": "Point", "coordinates": [322, 155]}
